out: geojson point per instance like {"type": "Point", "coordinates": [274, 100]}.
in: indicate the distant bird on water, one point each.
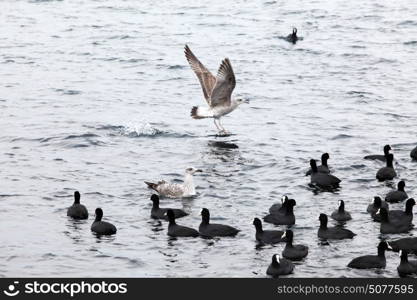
{"type": "Point", "coordinates": [217, 90]}
{"type": "Point", "coordinates": [292, 37]}
{"type": "Point", "coordinates": [380, 157]}
{"type": "Point", "coordinates": [77, 210]}
{"type": "Point", "coordinates": [176, 190]}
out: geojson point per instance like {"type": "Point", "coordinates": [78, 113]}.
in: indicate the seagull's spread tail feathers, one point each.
{"type": "Point", "coordinates": [198, 112]}
{"type": "Point", "coordinates": [151, 185]}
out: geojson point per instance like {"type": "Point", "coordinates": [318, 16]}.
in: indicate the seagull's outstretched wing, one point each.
{"type": "Point", "coordinates": [207, 80]}
{"type": "Point", "coordinates": [225, 83]}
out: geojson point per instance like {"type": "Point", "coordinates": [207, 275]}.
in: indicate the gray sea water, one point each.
{"type": "Point", "coordinates": [95, 96]}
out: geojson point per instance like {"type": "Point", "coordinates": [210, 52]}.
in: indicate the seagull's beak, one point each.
{"type": "Point", "coordinates": [246, 101]}
{"type": "Point", "coordinates": [198, 170]}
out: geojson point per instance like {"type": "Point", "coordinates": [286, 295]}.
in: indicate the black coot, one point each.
{"type": "Point", "coordinates": [292, 37]}
{"type": "Point", "coordinates": [212, 230]}
{"type": "Point", "coordinates": [408, 244]}
{"type": "Point", "coordinates": [406, 267]}
{"type": "Point", "coordinates": [371, 261]}
{"type": "Point", "coordinates": [267, 236]}
{"type": "Point", "coordinates": [388, 172]}
{"type": "Point", "coordinates": [161, 213]}
{"type": "Point", "coordinates": [413, 153]}
{"type": "Point", "coordinates": [293, 252]}
{"type": "Point", "coordinates": [376, 205]}
{"type": "Point", "coordinates": [387, 226]}
{"type": "Point", "coordinates": [175, 230]}
{"type": "Point", "coordinates": [279, 266]}
{"type": "Point", "coordinates": [340, 214]}
{"type": "Point", "coordinates": [278, 206]}
{"type": "Point", "coordinates": [380, 157]}
{"type": "Point", "coordinates": [321, 179]}
{"type": "Point", "coordinates": [324, 168]}
{"type": "Point", "coordinates": [398, 195]}
{"type": "Point", "coordinates": [100, 227]}
{"type": "Point", "coordinates": [284, 216]}
{"type": "Point", "coordinates": [399, 216]}
{"type": "Point", "coordinates": [332, 233]}
{"type": "Point", "coordinates": [77, 210]}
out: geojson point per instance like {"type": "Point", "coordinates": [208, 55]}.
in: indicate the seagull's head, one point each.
{"type": "Point", "coordinates": [240, 101]}
{"type": "Point", "coordinates": [192, 170]}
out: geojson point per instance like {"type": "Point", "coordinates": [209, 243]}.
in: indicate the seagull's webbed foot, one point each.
{"type": "Point", "coordinates": [224, 132]}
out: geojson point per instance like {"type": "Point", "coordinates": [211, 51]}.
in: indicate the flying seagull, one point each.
{"type": "Point", "coordinates": [176, 190]}
{"type": "Point", "coordinates": [217, 90]}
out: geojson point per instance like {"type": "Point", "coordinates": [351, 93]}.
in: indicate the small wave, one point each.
{"type": "Point", "coordinates": [131, 60]}
{"type": "Point", "coordinates": [342, 136]}
{"type": "Point", "coordinates": [410, 43]}
{"type": "Point", "coordinates": [408, 22]}
{"type": "Point", "coordinates": [175, 67]}
{"type": "Point", "coordinates": [82, 140]}
{"type": "Point", "coordinates": [67, 92]}
{"type": "Point", "coordinates": [85, 135]}
{"type": "Point", "coordinates": [120, 37]}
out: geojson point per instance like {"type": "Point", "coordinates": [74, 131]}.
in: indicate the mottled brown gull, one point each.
{"type": "Point", "coordinates": [217, 90]}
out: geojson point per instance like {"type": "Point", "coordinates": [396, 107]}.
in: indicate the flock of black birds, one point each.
{"type": "Point", "coordinates": [392, 221]}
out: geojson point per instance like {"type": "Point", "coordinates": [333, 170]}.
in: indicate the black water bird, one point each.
{"type": "Point", "coordinates": [387, 226]}
{"type": "Point", "coordinates": [283, 216]}
{"type": "Point", "coordinates": [341, 214]}
{"type": "Point", "coordinates": [376, 205]}
{"type": "Point", "coordinates": [380, 157]}
{"type": "Point", "coordinates": [267, 236]}
{"type": "Point", "coordinates": [276, 207]}
{"type": "Point", "coordinates": [332, 233]}
{"type": "Point", "coordinates": [323, 168]}
{"type": "Point", "coordinates": [408, 244]}
{"type": "Point", "coordinates": [293, 252]}
{"type": "Point", "coordinates": [100, 227]}
{"type": "Point", "coordinates": [397, 195]}
{"type": "Point", "coordinates": [207, 229]}
{"type": "Point", "coordinates": [161, 213]}
{"type": "Point", "coordinates": [321, 179]}
{"type": "Point", "coordinates": [77, 210]}
{"type": "Point", "coordinates": [279, 266]}
{"type": "Point", "coordinates": [371, 261]}
{"type": "Point", "coordinates": [175, 230]}
{"type": "Point", "coordinates": [387, 172]}
{"type": "Point", "coordinates": [292, 37]}
{"type": "Point", "coordinates": [406, 267]}
{"type": "Point", "coordinates": [400, 217]}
